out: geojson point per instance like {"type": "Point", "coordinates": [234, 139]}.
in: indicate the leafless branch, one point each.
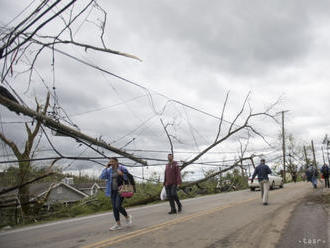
{"type": "Point", "coordinates": [221, 118]}
{"type": "Point", "coordinates": [237, 163]}
{"type": "Point", "coordinates": [37, 28]}
{"type": "Point", "coordinates": [168, 136]}
{"type": "Point", "coordinates": [11, 144]}
{"type": "Point", "coordinates": [234, 129]}
{"type": "Point", "coordinates": [33, 134]}
{"type": "Point", "coordinates": [87, 46]}
{"type": "Point", "coordinates": [240, 112]}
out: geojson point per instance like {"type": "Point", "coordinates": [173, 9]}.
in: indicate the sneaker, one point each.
{"type": "Point", "coordinates": [180, 209]}
{"type": "Point", "coordinates": [172, 212]}
{"type": "Point", "coordinates": [129, 220]}
{"type": "Point", "coordinates": [265, 203]}
{"type": "Point", "coordinates": [115, 227]}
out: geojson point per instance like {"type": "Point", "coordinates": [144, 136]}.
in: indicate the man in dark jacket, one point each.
{"type": "Point", "coordinates": [262, 170]}
{"type": "Point", "coordinates": [325, 173]}
{"type": "Point", "coordinates": [172, 180]}
{"type": "Point", "coordinates": [311, 175]}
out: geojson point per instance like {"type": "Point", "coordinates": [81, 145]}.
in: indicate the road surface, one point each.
{"type": "Point", "coordinates": [234, 219]}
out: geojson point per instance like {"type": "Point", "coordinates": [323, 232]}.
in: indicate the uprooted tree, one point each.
{"type": "Point", "coordinates": [224, 134]}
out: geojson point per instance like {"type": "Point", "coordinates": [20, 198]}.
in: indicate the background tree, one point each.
{"type": "Point", "coordinates": [24, 157]}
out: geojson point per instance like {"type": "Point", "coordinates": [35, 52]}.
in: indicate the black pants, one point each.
{"type": "Point", "coordinates": [172, 196]}
{"type": "Point", "coordinates": [117, 200]}
{"type": "Point", "coordinates": [326, 181]}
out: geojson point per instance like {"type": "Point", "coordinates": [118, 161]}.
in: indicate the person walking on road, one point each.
{"type": "Point", "coordinates": [115, 174]}
{"type": "Point", "coordinates": [262, 171]}
{"type": "Point", "coordinates": [311, 175]}
{"type": "Point", "coordinates": [325, 173]}
{"type": "Point", "coordinates": [172, 180]}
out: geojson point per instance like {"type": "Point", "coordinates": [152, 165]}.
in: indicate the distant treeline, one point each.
{"type": "Point", "coordinates": [10, 176]}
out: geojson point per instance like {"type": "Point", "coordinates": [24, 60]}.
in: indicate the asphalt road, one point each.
{"type": "Point", "coordinates": [235, 219]}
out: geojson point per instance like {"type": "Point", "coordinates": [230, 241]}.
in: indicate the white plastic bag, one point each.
{"type": "Point", "coordinates": [163, 195]}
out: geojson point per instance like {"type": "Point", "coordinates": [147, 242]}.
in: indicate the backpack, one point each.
{"type": "Point", "coordinates": [131, 180]}
{"type": "Point", "coordinates": [309, 173]}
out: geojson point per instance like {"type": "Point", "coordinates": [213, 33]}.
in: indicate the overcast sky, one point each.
{"type": "Point", "coordinates": [193, 52]}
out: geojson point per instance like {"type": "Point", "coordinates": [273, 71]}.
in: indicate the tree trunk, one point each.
{"type": "Point", "coordinates": [24, 192]}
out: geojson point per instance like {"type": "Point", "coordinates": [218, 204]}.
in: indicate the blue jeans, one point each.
{"type": "Point", "coordinates": [314, 182]}
{"type": "Point", "coordinates": [116, 201]}
{"type": "Point", "coordinates": [171, 192]}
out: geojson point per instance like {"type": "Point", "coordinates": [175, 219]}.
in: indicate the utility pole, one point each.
{"type": "Point", "coordinates": [283, 147]}
{"type": "Point", "coordinates": [143, 173]}
{"type": "Point", "coordinates": [328, 144]}
{"type": "Point", "coordinates": [323, 155]}
{"type": "Point", "coordinates": [328, 154]}
{"type": "Point", "coordinates": [306, 159]}
{"type": "Point", "coordinates": [314, 159]}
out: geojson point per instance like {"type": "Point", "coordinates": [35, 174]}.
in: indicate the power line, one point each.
{"type": "Point", "coordinates": [139, 86]}
{"type": "Point", "coordinates": [20, 13]}
{"type": "Point", "coordinates": [14, 122]}
{"type": "Point", "coordinates": [107, 107]}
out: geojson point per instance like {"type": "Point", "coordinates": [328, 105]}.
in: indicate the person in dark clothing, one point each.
{"type": "Point", "coordinates": [294, 176]}
{"type": "Point", "coordinates": [311, 175]}
{"type": "Point", "coordinates": [172, 180]}
{"type": "Point", "coordinates": [262, 170]}
{"type": "Point", "coordinates": [115, 174]}
{"type": "Point", "coordinates": [325, 172]}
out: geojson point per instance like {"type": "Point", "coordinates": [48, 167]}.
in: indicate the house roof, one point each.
{"type": "Point", "coordinates": [82, 186]}
{"type": "Point", "coordinates": [38, 189]}
{"type": "Point", "coordinates": [35, 188]}
{"type": "Point", "coordinates": [66, 185]}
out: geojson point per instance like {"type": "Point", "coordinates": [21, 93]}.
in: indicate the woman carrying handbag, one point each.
{"type": "Point", "coordinates": [115, 175]}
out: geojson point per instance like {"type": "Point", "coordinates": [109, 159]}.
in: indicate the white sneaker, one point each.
{"type": "Point", "coordinates": [115, 227]}
{"type": "Point", "coordinates": [129, 220]}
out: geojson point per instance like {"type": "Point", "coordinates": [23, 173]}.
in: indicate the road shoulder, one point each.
{"type": "Point", "coordinates": [309, 224]}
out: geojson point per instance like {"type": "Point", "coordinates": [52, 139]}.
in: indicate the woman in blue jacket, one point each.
{"type": "Point", "coordinates": [115, 174]}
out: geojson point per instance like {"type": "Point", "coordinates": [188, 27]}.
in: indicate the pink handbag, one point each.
{"type": "Point", "coordinates": [126, 190]}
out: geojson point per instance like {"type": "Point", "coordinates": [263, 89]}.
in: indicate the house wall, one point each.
{"type": "Point", "coordinates": [63, 194]}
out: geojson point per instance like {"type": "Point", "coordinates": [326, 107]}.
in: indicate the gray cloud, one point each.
{"type": "Point", "coordinates": [229, 36]}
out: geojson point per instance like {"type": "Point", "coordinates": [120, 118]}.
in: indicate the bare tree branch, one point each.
{"type": "Point", "coordinates": [221, 118]}
{"type": "Point", "coordinates": [11, 144]}
{"type": "Point", "coordinates": [237, 163]}
{"type": "Point", "coordinates": [168, 136]}
{"type": "Point", "coordinates": [36, 29]}
{"type": "Point", "coordinates": [33, 134]}
{"type": "Point", "coordinates": [87, 46]}
{"type": "Point", "coordinates": [232, 131]}
{"type": "Point", "coordinates": [239, 113]}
